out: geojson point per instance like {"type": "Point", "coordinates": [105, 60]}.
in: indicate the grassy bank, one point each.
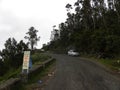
{"type": "Point", "coordinates": [34, 81]}
{"type": "Point", "coordinates": [12, 73]}
{"type": "Point", "coordinates": [37, 58]}
{"type": "Point", "coordinates": [113, 64]}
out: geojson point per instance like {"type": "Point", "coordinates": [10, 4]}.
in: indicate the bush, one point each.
{"type": "Point", "coordinates": [39, 57]}
{"type": "Point", "coordinates": [3, 68]}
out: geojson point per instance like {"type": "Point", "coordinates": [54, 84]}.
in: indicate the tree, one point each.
{"type": "Point", "coordinates": [32, 37]}
{"type": "Point", "coordinates": [117, 8]}
{"type": "Point", "coordinates": [13, 53]}
{"type": "Point", "coordinates": [10, 51]}
{"type": "Point", "coordinates": [21, 46]}
{"type": "Point", "coordinates": [3, 68]}
{"type": "Point", "coordinates": [64, 35]}
{"type": "Point", "coordinates": [93, 28]}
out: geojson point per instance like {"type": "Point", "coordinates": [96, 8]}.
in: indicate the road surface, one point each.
{"type": "Point", "coordinates": [73, 73]}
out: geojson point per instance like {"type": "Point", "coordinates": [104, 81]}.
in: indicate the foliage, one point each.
{"type": "Point", "coordinates": [113, 64]}
{"type": "Point", "coordinates": [3, 68]}
{"type": "Point", "coordinates": [93, 28]}
{"type": "Point", "coordinates": [32, 37]}
{"type": "Point", "coordinates": [12, 55]}
{"type": "Point", "coordinates": [10, 74]}
{"type": "Point", "coordinates": [38, 58]}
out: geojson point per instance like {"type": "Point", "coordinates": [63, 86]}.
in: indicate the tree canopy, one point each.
{"type": "Point", "coordinates": [32, 37]}
{"type": "Point", "coordinates": [93, 28]}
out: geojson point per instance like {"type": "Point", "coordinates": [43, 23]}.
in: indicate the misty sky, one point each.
{"type": "Point", "coordinates": [17, 16]}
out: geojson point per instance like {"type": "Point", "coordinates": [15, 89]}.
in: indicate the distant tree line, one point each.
{"type": "Point", "coordinates": [12, 54]}
{"type": "Point", "coordinates": [92, 27]}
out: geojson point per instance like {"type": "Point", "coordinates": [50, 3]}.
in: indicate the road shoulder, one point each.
{"type": "Point", "coordinates": [108, 69]}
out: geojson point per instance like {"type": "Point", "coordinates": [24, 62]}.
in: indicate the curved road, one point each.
{"type": "Point", "coordinates": [73, 73]}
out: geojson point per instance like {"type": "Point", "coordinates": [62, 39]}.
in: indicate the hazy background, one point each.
{"type": "Point", "coordinates": [17, 16]}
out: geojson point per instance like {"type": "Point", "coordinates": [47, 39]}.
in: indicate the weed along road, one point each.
{"type": "Point", "coordinates": [73, 73]}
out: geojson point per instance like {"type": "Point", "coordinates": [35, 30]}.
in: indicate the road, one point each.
{"type": "Point", "coordinates": [73, 73]}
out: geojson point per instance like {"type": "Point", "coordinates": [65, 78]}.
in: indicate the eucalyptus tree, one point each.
{"type": "Point", "coordinates": [9, 52]}
{"type": "Point", "coordinates": [21, 47]}
{"type": "Point", "coordinates": [117, 8]}
{"type": "Point", "coordinates": [32, 37]}
{"type": "Point", "coordinates": [110, 4]}
{"type": "Point", "coordinates": [93, 27]}
{"type": "Point", "coordinates": [70, 18]}
{"type": "Point", "coordinates": [64, 35]}
{"type": "Point", "coordinates": [13, 53]}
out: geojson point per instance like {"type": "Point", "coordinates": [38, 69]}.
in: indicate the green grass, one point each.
{"type": "Point", "coordinates": [37, 58]}
{"type": "Point", "coordinates": [12, 73]}
{"type": "Point", "coordinates": [113, 64]}
{"type": "Point", "coordinates": [34, 79]}
{"type": "Point", "coordinates": [37, 77]}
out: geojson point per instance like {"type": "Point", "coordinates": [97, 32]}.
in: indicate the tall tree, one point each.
{"type": "Point", "coordinates": [32, 37]}
{"type": "Point", "coordinates": [12, 54]}
{"type": "Point", "coordinates": [64, 35]}
{"type": "Point", "coordinates": [93, 28]}
{"type": "Point", "coordinates": [117, 8]}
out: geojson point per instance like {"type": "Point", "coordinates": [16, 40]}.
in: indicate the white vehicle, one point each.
{"type": "Point", "coordinates": [73, 53]}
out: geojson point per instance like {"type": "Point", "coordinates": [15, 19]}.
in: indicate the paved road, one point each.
{"type": "Point", "coordinates": [73, 73]}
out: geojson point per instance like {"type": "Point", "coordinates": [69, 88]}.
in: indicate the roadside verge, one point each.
{"type": "Point", "coordinates": [12, 83]}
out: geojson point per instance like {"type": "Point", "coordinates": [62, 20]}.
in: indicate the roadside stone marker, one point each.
{"type": "Point", "coordinates": [25, 67]}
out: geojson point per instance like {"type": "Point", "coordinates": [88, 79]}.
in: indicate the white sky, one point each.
{"type": "Point", "coordinates": [17, 16]}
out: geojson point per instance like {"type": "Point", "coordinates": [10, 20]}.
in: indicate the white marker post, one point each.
{"type": "Point", "coordinates": [26, 61]}
{"type": "Point", "coordinates": [25, 67]}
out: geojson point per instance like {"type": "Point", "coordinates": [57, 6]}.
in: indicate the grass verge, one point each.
{"type": "Point", "coordinates": [37, 58]}
{"type": "Point", "coordinates": [113, 64]}
{"type": "Point", "coordinates": [12, 73]}
{"type": "Point", "coordinates": [34, 80]}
